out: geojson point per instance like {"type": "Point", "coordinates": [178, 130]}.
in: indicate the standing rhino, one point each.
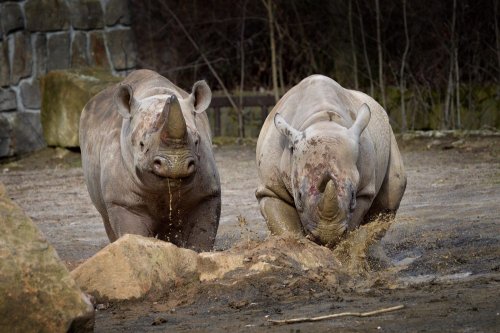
{"type": "Point", "coordinates": [329, 163]}
{"type": "Point", "coordinates": [148, 162]}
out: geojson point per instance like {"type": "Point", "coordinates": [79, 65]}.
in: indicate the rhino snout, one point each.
{"type": "Point", "coordinates": [173, 168]}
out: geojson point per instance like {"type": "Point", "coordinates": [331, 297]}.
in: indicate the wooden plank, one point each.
{"type": "Point", "coordinates": [248, 101]}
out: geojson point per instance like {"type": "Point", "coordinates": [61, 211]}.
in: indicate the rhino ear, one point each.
{"type": "Point", "coordinates": [123, 100]}
{"type": "Point", "coordinates": [362, 120]}
{"type": "Point", "coordinates": [201, 96]}
{"type": "Point", "coordinates": [285, 129]}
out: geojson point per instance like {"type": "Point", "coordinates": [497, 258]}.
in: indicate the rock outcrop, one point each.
{"type": "Point", "coordinates": [64, 94]}
{"type": "Point", "coordinates": [136, 267]}
{"type": "Point", "coordinates": [37, 293]}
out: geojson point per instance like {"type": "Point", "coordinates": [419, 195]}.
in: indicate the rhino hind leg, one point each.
{"type": "Point", "coordinates": [389, 197]}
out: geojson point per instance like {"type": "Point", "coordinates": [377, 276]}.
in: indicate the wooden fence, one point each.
{"type": "Point", "coordinates": [218, 102]}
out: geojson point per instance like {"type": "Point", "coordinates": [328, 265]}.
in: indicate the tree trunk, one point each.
{"type": "Point", "coordinates": [380, 59]}
{"type": "Point", "coordinates": [365, 51]}
{"type": "Point", "coordinates": [274, 72]}
{"type": "Point", "coordinates": [402, 83]}
{"type": "Point", "coordinates": [353, 49]}
{"type": "Point", "coordinates": [205, 59]}
{"type": "Point", "coordinates": [448, 101]}
{"type": "Point", "coordinates": [497, 38]}
{"type": "Point", "coordinates": [241, 125]}
{"type": "Point", "coordinates": [457, 88]}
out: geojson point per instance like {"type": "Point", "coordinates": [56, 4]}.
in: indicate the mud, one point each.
{"type": "Point", "coordinates": [440, 258]}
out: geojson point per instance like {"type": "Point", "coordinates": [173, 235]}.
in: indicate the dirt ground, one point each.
{"type": "Point", "coordinates": [440, 258]}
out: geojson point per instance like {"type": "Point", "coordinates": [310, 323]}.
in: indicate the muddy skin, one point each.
{"type": "Point", "coordinates": [440, 257]}
{"type": "Point", "coordinates": [328, 162]}
{"type": "Point", "coordinates": [148, 161]}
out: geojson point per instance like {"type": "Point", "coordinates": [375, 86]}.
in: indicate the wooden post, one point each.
{"type": "Point", "coordinates": [217, 129]}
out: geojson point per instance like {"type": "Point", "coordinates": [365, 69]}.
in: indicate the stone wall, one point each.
{"type": "Point", "coordinates": [37, 36]}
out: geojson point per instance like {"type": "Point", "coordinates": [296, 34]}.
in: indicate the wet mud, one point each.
{"type": "Point", "coordinates": [440, 258]}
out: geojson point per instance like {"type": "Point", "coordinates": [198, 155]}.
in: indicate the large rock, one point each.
{"type": "Point", "coordinates": [117, 12]}
{"type": "Point", "coordinates": [27, 132]}
{"type": "Point", "coordinates": [12, 17]}
{"type": "Point", "coordinates": [64, 94]}
{"type": "Point", "coordinates": [22, 57]}
{"type": "Point", "coordinates": [4, 60]}
{"type": "Point", "coordinates": [7, 100]}
{"type": "Point", "coordinates": [121, 45]}
{"type": "Point", "coordinates": [79, 50]}
{"type": "Point", "coordinates": [86, 14]}
{"type": "Point", "coordinates": [5, 134]}
{"type": "Point", "coordinates": [135, 267]}
{"type": "Point", "coordinates": [46, 15]}
{"type": "Point", "coordinates": [40, 54]}
{"type": "Point", "coordinates": [37, 292]}
{"type": "Point", "coordinates": [97, 50]}
{"type": "Point", "coordinates": [58, 51]}
{"type": "Point", "coordinates": [30, 93]}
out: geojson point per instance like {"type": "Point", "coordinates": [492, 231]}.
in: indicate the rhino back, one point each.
{"type": "Point", "coordinates": [100, 127]}
{"type": "Point", "coordinates": [301, 106]}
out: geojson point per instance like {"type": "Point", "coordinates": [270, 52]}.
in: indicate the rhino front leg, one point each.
{"type": "Point", "coordinates": [123, 221]}
{"type": "Point", "coordinates": [280, 216]}
{"type": "Point", "coordinates": [393, 187]}
{"type": "Point", "coordinates": [204, 220]}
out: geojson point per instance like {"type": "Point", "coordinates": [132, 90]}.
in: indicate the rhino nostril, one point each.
{"type": "Point", "coordinates": [190, 165]}
{"type": "Point", "coordinates": [158, 163]}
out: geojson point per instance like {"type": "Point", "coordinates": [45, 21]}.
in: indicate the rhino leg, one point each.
{"type": "Point", "coordinates": [389, 197]}
{"type": "Point", "coordinates": [122, 222]}
{"type": "Point", "coordinates": [280, 216]}
{"type": "Point", "coordinates": [362, 207]}
{"type": "Point", "coordinates": [205, 219]}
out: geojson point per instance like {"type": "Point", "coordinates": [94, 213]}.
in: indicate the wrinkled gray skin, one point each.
{"type": "Point", "coordinates": [148, 162]}
{"type": "Point", "coordinates": [328, 162]}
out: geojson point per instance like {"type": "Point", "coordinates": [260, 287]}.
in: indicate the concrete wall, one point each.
{"type": "Point", "coordinates": [37, 36]}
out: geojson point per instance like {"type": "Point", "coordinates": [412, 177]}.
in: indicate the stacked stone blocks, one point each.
{"type": "Point", "coordinates": [39, 36]}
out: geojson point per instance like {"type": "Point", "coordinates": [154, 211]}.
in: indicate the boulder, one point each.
{"type": "Point", "coordinates": [8, 101]}
{"type": "Point", "coordinates": [4, 60]}
{"type": "Point", "coordinates": [26, 132]}
{"type": "Point", "coordinates": [79, 50]}
{"type": "Point", "coordinates": [30, 93]}
{"type": "Point", "coordinates": [37, 292]}
{"type": "Point", "coordinates": [64, 94]}
{"type": "Point", "coordinates": [117, 12]}
{"type": "Point", "coordinates": [98, 56]}
{"type": "Point", "coordinates": [136, 267]}
{"type": "Point", "coordinates": [121, 46]}
{"type": "Point", "coordinates": [58, 51]}
{"type": "Point", "coordinates": [46, 15]}
{"type": "Point", "coordinates": [40, 62]}
{"type": "Point", "coordinates": [5, 135]}
{"type": "Point", "coordinates": [86, 14]}
{"type": "Point", "coordinates": [12, 17]}
{"type": "Point", "coordinates": [22, 57]}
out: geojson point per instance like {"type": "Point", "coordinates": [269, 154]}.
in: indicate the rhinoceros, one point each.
{"type": "Point", "coordinates": [328, 163]}
{"type": "Point", "coordinates": [148, 162]}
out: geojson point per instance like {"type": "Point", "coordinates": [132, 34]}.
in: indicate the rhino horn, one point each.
{"type": "Point", "coordinates": [174, 124]}
{"type": "Point", "coordinates": [329, 204]}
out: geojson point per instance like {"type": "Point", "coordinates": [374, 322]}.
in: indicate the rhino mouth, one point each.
{"type": "Point", "coordinates": [174, 182]}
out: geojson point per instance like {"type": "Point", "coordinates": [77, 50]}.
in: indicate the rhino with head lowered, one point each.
{"type": "Point", "coordinates": [148, 162]}
{"type": "Point", "coordinates": [328, 161]}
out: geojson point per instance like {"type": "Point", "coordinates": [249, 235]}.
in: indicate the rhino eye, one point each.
{"type": "Point", "coordinates": [299, 205]}
{"type": "Point", "coordinates": [352, 204]}
{"type": "Point", "coordinates": [141, 144]}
